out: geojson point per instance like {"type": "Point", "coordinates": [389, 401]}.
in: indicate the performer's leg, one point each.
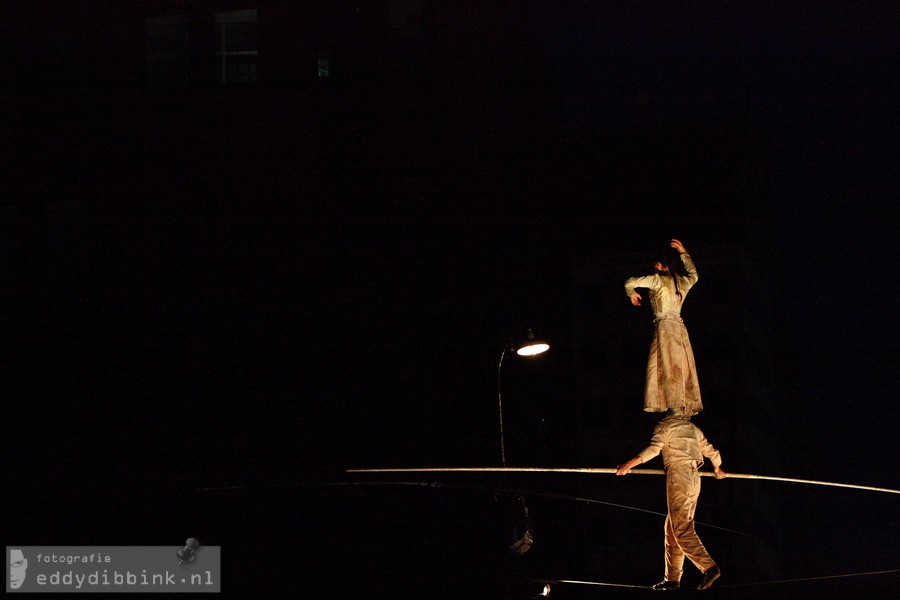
{"type": "Point", "coordinates": [674, 555]}
{"type": "Point", "coordinates": [684, 490]}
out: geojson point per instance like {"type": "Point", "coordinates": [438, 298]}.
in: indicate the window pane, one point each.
{"type": "Point", "coordinates": [163, 70]}
{"type": "Point", "coordinates": [167, 39]}
{"type": "Point", "coordinates": [236, 40]}
{"type": "Point", "coordinates": [237, 16]}
{"type": "Point", "coordinates": [167, 50]}
{"type": "Point", "coordinates": [239, 37]}
{"type": "Point", "coordinates": [240, 69]}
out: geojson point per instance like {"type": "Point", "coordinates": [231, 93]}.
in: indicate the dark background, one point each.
{"type": "Point", "coordinates": [263, 285]}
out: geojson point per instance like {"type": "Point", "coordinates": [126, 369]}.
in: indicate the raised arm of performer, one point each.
{"type": "Point", "coordinates": [653, 282]}
{"type": "Point", "coordinates": [692, 275]}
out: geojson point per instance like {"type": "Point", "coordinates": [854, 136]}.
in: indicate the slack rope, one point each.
{"type": "Point", "coordinates": [819, 578]}
{"type": "Point", "coordinates": [722, 587]}
{"type": "Point", "coordinates": [594, 583]}
{"type": "Point", "coordinates": [612, 471]}
{"type": "Point", "coordinates": [438, 485]}
{"type": "Point", "coordinates": [584, 470]}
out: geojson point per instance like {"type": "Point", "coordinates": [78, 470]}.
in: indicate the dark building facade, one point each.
{"type": "Point", "coordinates": [224, 209]}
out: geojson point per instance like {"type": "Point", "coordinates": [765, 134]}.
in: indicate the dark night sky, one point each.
{"type": "Point", "coordinates": [157, 331]}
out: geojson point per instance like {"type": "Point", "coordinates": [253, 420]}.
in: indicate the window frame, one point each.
{"type": "Point", "coordinates": [222, 20]}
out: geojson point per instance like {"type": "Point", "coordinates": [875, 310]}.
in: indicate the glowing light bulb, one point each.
{"type": "Point", "coordinates": [532, 349]}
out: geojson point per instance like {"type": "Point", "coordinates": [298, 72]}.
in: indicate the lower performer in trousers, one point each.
{"type": "Point", "coordinates": [683, 447]}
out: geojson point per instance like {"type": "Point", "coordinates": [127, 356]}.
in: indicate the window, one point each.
{"type": "Point", "coordinates": [167, 50]}
{"type": "Point", "coordinates": [406, 18]}
{"type": "Point", "coordinates": [237, 46]}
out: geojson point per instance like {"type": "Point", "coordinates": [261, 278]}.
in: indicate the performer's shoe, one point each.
{"type": "Point", "coordinates": [709, 577]}
{"type": "Point", "coordinates": [666, 585]}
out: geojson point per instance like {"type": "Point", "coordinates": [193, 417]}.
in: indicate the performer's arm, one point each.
{"type": "Point", "coordinates": [625, 468]}
{"type": "Point", "coordinates": [648, 281]}
{"type": "Point", "coordinates": [714, 456]}
{"type": "Point", "coordinates": [647, 454]}
{"type": "Point", "coordinates": [692, 275]}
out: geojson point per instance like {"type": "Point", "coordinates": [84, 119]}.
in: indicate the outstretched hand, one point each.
{"type": "Point", "coordinates": [636, 299]}
{"type": "Point", "coordinates": [678, 246]}
{"type": "Point", "coordinates": [623, 469]}
{"type": "Point", "coordinates": [720, 473]}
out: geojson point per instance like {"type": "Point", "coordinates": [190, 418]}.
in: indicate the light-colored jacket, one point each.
{"type": "Point", "coordinates": [663, 298]}
{"type": "Point", "coordinates": [680, 441]}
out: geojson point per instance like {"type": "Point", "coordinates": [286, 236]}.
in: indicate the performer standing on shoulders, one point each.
{"type": "Point", "coordinates": [683, 447]}
{"type": "Point", "coordinates": [671, 371]}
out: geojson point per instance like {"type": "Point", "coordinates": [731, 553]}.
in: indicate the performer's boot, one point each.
{"type": "Point", "coordinates": [709, 577]}
{"type": "Point", "coordinates": [666, 585]}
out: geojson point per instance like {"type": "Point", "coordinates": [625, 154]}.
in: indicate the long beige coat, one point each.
{"type": "Point", "coordinates": [671, 371]}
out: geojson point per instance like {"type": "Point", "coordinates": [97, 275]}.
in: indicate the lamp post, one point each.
{"type": "Point", "coordinates": [526, 346]}
{"type": "Point", "coordinates": [522, 530]}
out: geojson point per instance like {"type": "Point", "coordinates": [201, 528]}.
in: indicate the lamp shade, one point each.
{"type": "Point", "coordinates": [530, 345]}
